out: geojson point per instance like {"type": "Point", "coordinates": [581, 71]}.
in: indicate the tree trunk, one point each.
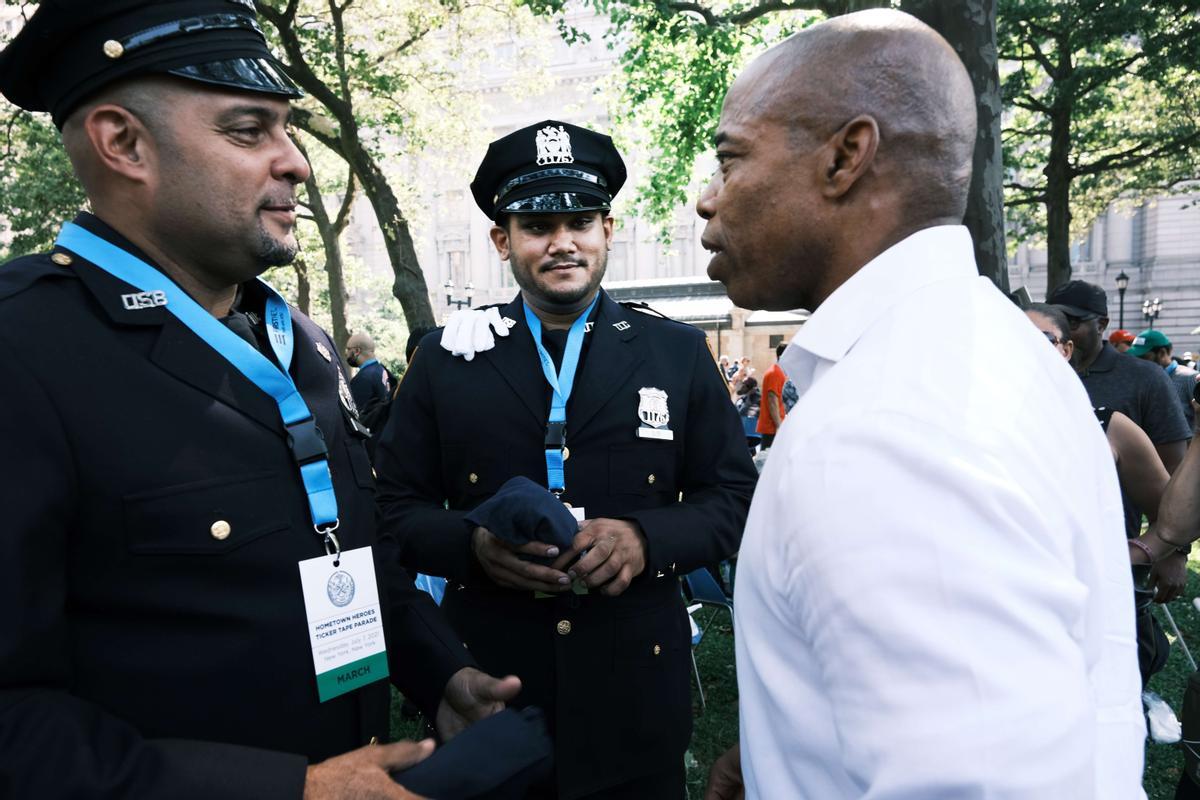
{"type": "Point", "coordinates": [970, 28]}
{"type": "Point", "coordinates": [409, 285]}
{"type": "Point", "coordinates": [1058, 200]}
{"type": "Point", "coordinates": [333, 262]}
{"type": "Point", "coordinates": [303, 287]}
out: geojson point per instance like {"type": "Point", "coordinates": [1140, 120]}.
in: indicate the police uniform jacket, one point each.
{"type": "Point", "coordinates": [612, 672]}
{"type": "Point", "coordinates": [143, 656]}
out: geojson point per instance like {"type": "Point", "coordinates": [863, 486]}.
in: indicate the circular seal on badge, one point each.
{"type": "Point", "coordinates": [340, 588]}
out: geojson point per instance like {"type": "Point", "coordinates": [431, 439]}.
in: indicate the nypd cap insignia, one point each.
{"type": "Point", "coordinates": [548, 168]}
{"type": "Point", "coordinates": [69, 49]}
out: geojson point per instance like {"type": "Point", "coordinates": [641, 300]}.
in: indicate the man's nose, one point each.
{"type": "Point", "coordinates": [706, 205]}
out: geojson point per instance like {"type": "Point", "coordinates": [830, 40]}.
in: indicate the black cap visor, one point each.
{"type": "Point", "coordinates": [250, 74]}
{"type": "Point", "coordinates": [554, 196]}
{"type": "Point", "coordinates": [1078, 313]}
{"type": "Point", "coordinates": [555, 203]}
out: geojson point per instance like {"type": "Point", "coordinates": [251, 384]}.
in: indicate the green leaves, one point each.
{"type": "Point", "coordinates": [37, 185]}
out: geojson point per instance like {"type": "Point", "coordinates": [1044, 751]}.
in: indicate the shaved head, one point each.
{"type": "Point", "coordinates": [834, 145]}
{"type": "Point", "coordinates": [894, 68]}
{"type": "Point", "coordinates": [363, 342]}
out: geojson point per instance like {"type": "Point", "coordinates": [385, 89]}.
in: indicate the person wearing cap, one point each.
{"type": "Point", "coordinates": [1120, 339]}
{"type": "Point", "coordinates": [1128, 385]}
{"type": "Point", "coordinates": [619, 412]}
{"type": "Point", "coordinates": [162, 638]}
{"type": "Point", "coordinates": [1153, 345]}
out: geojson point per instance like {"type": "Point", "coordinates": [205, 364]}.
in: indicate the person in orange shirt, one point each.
{"type": "Point", "coordinates": [771, 415]}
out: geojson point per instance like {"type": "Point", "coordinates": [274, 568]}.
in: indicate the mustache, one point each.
{"type": "Point", "coordinates": [283, 201]}
{"type": "Point", "coordinates": [549, 265]}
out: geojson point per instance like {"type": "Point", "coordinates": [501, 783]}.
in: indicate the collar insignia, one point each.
{"type": "Point", "coordinates": [509, 322]}
{"type": "Point", "coordinates": [622, 325]}
{"type": "Point", "coordinates": [140, 300]}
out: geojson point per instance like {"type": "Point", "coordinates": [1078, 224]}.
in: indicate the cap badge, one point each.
{"type": "Point", "coordinates": [324, 351]}
{"type": "Point", "coordinates": [654, 414]}
{"type": "Point", "coordinates": [114, 49]}
{"type": "Point", "coordinates": [554, 146]}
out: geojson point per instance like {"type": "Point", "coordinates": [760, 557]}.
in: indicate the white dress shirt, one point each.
{"type": "Point", "coordinates": [934, 596]}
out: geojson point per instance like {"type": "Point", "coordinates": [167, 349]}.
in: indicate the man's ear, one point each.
{"type": "Point", "coordinates": [500, 240]}
{"type": "Point", "coordinates": [850, 152]}
{"type": "Point", "coordinates": [120, 141]}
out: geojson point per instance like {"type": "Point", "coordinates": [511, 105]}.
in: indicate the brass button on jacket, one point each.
{"type": "Point", "coordinates": [220, 530]}
{"type": "Point", "coordinates": [564, 627]}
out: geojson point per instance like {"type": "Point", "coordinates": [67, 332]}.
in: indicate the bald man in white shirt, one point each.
{"type": "Point", "coordinates": [933, 588]}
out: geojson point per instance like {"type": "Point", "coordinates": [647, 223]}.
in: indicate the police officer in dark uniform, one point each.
{"type": "Point", "coordinates": [173, 470]}
{"type": "Point", "coordinates": [620, 413]}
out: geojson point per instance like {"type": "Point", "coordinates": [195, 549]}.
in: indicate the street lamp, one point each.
{"type": "Point", "coordinates": [458, 302]}
{"type": "Point", "coordinates": [1151, 309]}
{"type": "Point", "coordinates": [1122, 285]}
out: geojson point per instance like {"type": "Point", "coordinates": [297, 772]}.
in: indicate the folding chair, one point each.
{"type": "Point", "coordinates": [703, 590]}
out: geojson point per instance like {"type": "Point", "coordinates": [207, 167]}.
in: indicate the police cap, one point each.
{"type": "Point", "coordinates": [548, 168]}
{"type": "Point", "coordinates": [69, 49]}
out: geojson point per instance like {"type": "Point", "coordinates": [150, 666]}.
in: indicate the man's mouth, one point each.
{"type": "Point", "coordinates": [566, 265]}
{"type": "Point", "coordinates": [710, 245]}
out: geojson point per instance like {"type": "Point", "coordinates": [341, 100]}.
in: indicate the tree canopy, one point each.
{"type": "Point", "coordinates": [1101, 103]}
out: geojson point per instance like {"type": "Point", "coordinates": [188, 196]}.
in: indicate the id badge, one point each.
{"type": "Point", "coordinates": [345, 628]}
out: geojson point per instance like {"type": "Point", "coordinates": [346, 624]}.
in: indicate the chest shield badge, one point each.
{"type": "Point", "coordinates": [654, 414]}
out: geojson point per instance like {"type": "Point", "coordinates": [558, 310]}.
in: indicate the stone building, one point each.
{"type": "Point", "coordinates": [1157, 244]}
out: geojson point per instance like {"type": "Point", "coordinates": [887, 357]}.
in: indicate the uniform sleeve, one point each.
{"type": "Point", "coordinates": [945, 624]}
{"type": "Point", "coordinates": [717, 481]}
{"type": "Point", "coordinates": [427, 536]}
{"type": "Point", "coordinates": [1162, 416]}
{"type": "Point", "coordinates": [53, 744]}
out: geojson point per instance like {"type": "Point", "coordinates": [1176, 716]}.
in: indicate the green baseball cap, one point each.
{"type": "Point", "coordinates": [1146, 341]}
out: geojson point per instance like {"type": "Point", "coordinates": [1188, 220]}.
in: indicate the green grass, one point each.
{"type": "Point", "coordinates": [716, 726]}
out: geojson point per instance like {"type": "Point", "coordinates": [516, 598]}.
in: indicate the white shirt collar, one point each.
{"type": "Point", "coordinates": [927, 256]}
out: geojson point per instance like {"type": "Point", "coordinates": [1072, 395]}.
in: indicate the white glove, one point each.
{"type": "Point", "coordinates": [468, 331]}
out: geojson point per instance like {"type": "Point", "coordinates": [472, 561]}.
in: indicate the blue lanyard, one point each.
{"type": "Point", "coordinates": [304, 438]}
{"type": "Point", "coordinates": [561, 383]}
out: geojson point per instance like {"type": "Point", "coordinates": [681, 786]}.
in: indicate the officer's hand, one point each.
{"type": "Point", "coordinates": [468, 331]}
{"type": "Point", "coordinates": [500, 561]}
{"type": "Point", "coordinates": [725, 777]}
{"type": "Point", "coordinates": [616, 554]}
{"type": "Point", "coordinates": [362, 774]}
{"type": "Point", "coordinates": [470, 696]}
{"type": "Point", "coordinates": [1169, 577]}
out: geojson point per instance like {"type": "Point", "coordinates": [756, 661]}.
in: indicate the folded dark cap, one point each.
{"type": "Point", "coordinates": [549, 168]}
{"type": "Point", "coordinates": [70, 49]}
{"type": "Point", "coordinates": [523, 511]}
{"type": "Point", "coordinates": [498, 758]}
